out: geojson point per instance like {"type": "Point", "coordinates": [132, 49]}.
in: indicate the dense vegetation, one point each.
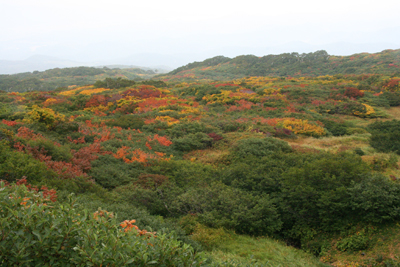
{"type": "Point", "coordinates": [178, 174]}
{"type": "Point", "coordinates": [56, 78]}
{"type": "Point", "coordinates": [288, 64]}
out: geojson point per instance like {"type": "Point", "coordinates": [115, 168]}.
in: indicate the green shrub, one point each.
{"type": "Point", "coordinates": [36, 232]}
{"type": "Point", "coordinates": [218, 205]}
{"type": "Point", "coordinates": [182, 129]}
{"type": "Point", "coordinates": [127, 121]}
{"type": "Point", "coordinates": [14, 165]}
{"type": "Point", "coordinates": [192, 142]}
{"type": "Point", "coordinates": [114, 83]}
{"type": "Point", "coordinates": [355, 242]}
{"type": "Point", "coordinates": [209, 237]}
{"type": "Point", "coordinates": [335, 128]}
{"type": "Point", "coordinates": [259, 147]}
{"type": "Point", "coordinates": [57, 153]}
{"type": "Point", "coordinates": [110, 172]}
{"type": "Point", "coordinates": [316, 192]}
{"type": "Point", "coordinates": [359, 151]}
{"type": "Point", "coordinates": [385, 136]}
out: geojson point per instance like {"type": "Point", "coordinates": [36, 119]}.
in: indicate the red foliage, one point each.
{"type": "Point", "coordinates": [80, 140]}
{"type": "Point", "coordinates": [393, 83]}
{"type": "Point", "coordinates": [162, 140]}
{"type": "Point", "coordinates": [50, 195]}
{"type": "Point", "coordinates": [353, 92]}
{"type": "Point", "coordinates": [144, 91]}
{"type": "Point", "coordinates": [26, 133]}
{"type": "Point", "coordinates": [215, 137]}
{"type": "Point", "coordinates": [97, 100]}
{"type": "Point", "coordinates": [84, 156]}
{"type": "Point", "coordinates": [243, 105]}
{"type": "Point", "coordinates": [9, 123]}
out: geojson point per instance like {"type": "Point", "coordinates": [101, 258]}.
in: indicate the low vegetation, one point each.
{"type": "Point", "coordinates": [251, 171]}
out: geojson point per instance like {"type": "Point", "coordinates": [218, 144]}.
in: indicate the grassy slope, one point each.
{"type": "Point", "coordinates": [240, 250]}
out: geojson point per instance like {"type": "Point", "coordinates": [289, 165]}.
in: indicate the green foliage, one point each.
{"type": "Point", "coordinates": [65, 128]}
{"type": "Point", "coordinates": [110, 172]}
{"type": "Point", "coordinates": [335, 128]}
{"type": "Point", "coordinates": [209, 238]}
{"type": "Point", "coordinates": [356, 242]}
{"type": "Point", "coordinates": [259, 147]}
{"type": "Point", "coordinates": [385, 136]}
{"type": "Point", "coordinates": [218, 205]}
{"type": "Point", "coordinates": [183, 129]}
{"type": "Point", "coordinates": [54, 79]}
{"type": "Point", "coordinates": [55, 151]}
{"type": "Point", "coordinates": [127, 121]}
{"type": "Point", "coordinates": [192, 141]}
{"type": "Point", "coordinates": [393, 98]}
{"type": "Point", "coordinates": [316, 192]}
{"type": "Point", "coordinates": [291, 64]}
{"type": "Point", "coordinates": [14, 165]}
{"type": "Point", "coordinates": [114, 83]}
{"type": "Point", "coordinates": [35, 233]}
{"type": "Point", "coordinates": [155, 83]}
{"type": "Point", "coordinates": [374, 200]}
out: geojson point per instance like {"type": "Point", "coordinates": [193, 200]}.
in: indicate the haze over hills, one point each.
{"type": "Point", "coordinates": [42, 63]}
{"type": "Point", "coordinates": [94, 55]}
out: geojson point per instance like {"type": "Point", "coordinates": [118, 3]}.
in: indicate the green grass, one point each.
{"type": "Point", "coordinates": [240, 250]}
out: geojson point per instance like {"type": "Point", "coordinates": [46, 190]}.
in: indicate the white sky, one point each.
{"type": "Point", "coordinates": [95, 30]}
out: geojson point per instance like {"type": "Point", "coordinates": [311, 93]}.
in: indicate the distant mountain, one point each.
{"type": "Point", "coordinates": [61, 77]}
{"type": "Point", "coordinates": [42, 63]}
{"type": "Point", "coordinates": [288, 64]}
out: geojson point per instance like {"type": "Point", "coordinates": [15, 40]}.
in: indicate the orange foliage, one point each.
{"type": "Point", "coordinates": [128, 225]}
{"type": "Point", "coordinates": [10, 123]}
{"type": "Point", "coordinates": [162, 140]}
{"type": "Point", "coordinates": [28, 134]}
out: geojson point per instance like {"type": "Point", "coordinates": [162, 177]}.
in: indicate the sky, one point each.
{"type": "Point", "coordinates": [122, 31]}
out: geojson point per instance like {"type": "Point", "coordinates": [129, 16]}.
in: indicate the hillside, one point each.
{"type": "Point", "coordinates": [288, 64]}
{"type": "Point", "coordinates": [254, 171]}
{"type": "Point", "coordinates": [55, 78]}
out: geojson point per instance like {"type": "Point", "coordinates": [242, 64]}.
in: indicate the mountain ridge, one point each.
{"type": "Point", "coordinates": [288, 64]}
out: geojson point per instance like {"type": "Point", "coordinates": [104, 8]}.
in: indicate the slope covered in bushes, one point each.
{"type": "Point", "coordinates": [298, 159]}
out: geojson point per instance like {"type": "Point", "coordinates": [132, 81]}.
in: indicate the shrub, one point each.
{"type": "Point", "coordinates": [44, 115]}
{"type": "Point", "coordinates": [316, 192]}
{"type": "Point", "coordinates": [353, 92]}
{"type": "Point", "coordinates": [218, 205]}
{"type": "Point", "coordinates": [127, 121]}
{"type": "Point", "coordinates": [335, 128]}
{"type": "Point", "coordinates": [192, 142]}
{"type": "Point", "coordinates": [36, 232]}
{"type": "Point", "coordinates": [14, 165]}
{"type": "Point", "coordinates": [355, 242]}
{"type": "Point", "coordinates": [259, 147]}
{"type": "Point", "coordinates": [113, 83]}
{"type": "Point", "coordinates": [385, 136]}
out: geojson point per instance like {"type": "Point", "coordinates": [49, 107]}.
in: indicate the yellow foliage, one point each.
{"type": "Point", "coordinates": [169, 120]}
{"type": "Point", "coordinates": [302, 127]}
{"type": "Point", "coordinates": [43, 115]}
{"type": "Point", "coordinates": [73, 91]}
{"type": "Point", "coordinates": [368, 111]}
{"type": "Point", "coordinates": [93, 91]}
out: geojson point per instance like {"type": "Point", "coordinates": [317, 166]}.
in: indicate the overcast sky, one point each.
{"type": "Point", "coordinates": [86, 30]}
